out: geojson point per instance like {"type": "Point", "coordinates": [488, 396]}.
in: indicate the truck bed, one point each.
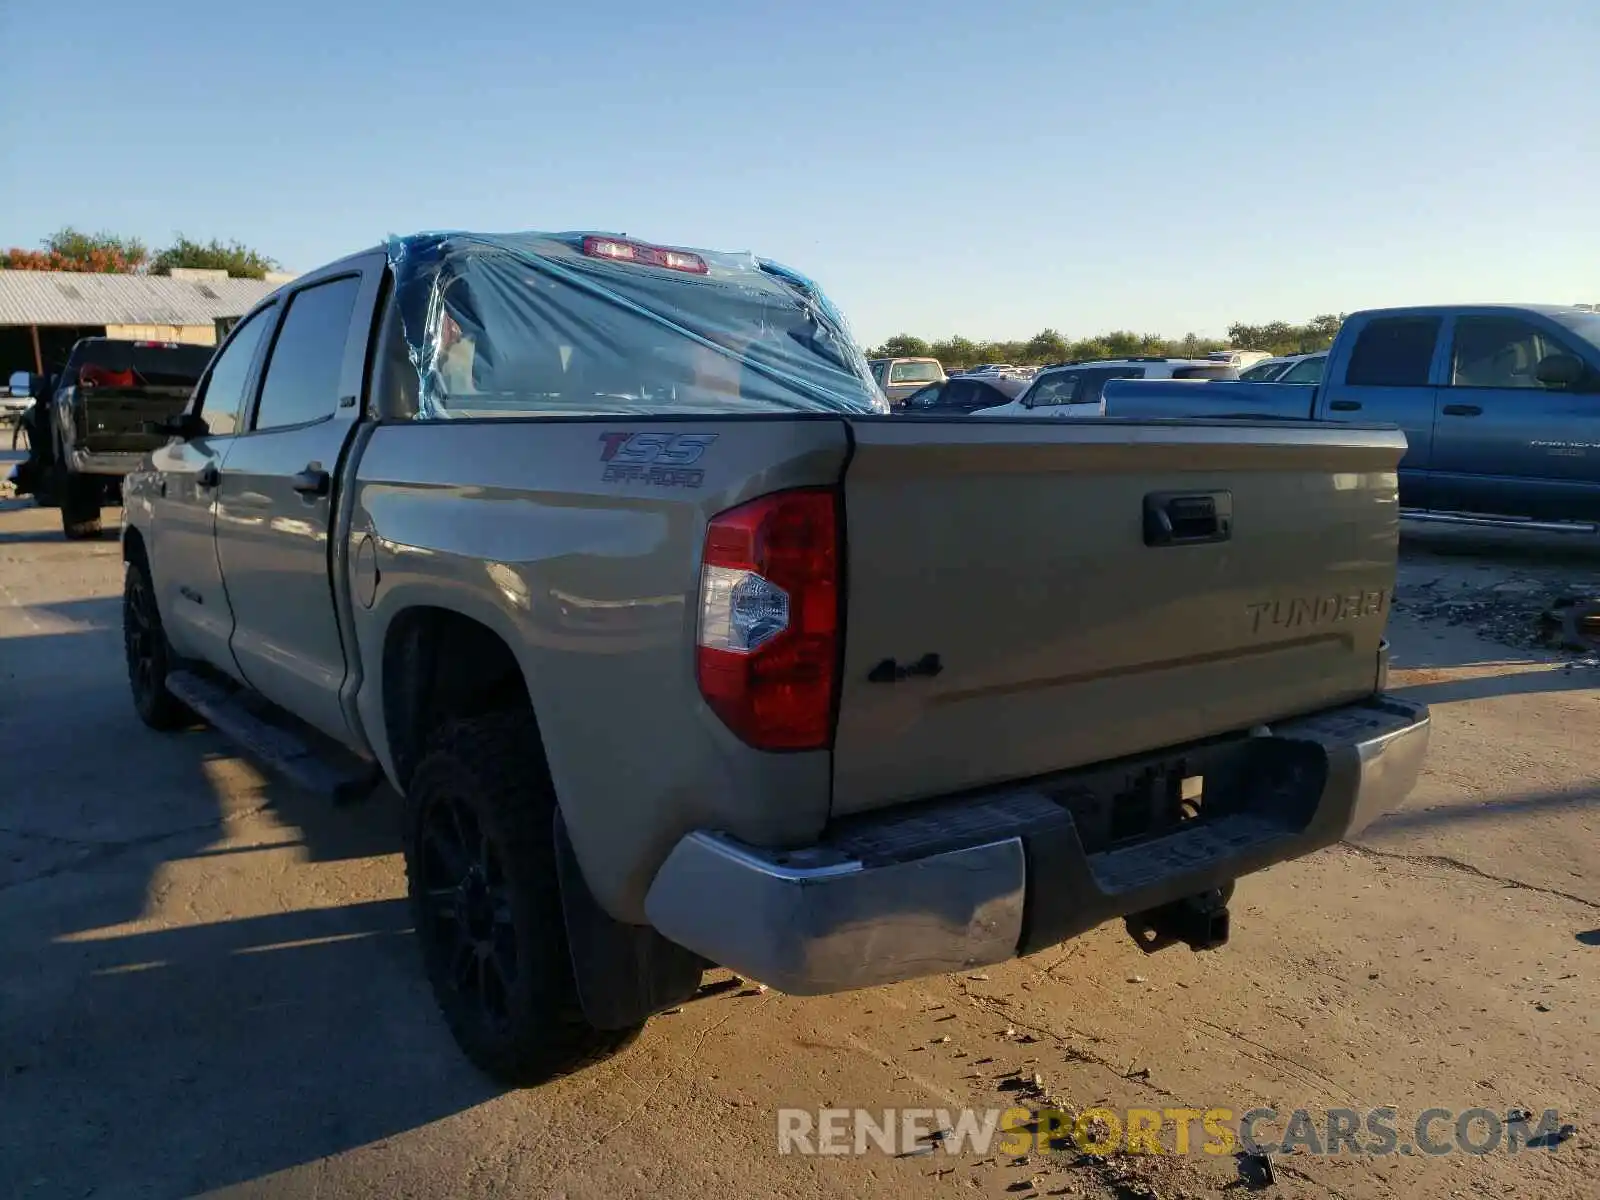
{"type": "Point", "coordinates": [1011, 608]}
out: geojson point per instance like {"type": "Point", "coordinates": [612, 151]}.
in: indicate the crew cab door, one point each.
{"type": "Point", "coordinates": [1504, 443]}
{"type": "Point", "coordinates": [182, 498]}
{"type": "Point", "coordinates": [1387, 374]}
{"type": "Point", "coordinates": [276, 498]}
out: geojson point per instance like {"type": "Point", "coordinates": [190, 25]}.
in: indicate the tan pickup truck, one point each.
{"type": "Point", "coordinates": [683, 651]}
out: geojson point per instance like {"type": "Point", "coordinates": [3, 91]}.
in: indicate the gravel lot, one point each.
{"type": "Point", "coordinates": [207, 983]}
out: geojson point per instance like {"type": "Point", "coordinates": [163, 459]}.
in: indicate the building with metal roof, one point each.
{"type": "Point", "coordinates": [42, 313]}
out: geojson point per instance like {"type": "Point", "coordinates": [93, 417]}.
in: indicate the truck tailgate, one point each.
{"type": "Point", "coordinates": [1017, 603]}
{"type": "Point", "coordinates": [112, 419]}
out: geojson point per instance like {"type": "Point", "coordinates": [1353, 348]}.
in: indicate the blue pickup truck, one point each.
{"type": "Point", "coordinates": [1500, 405]}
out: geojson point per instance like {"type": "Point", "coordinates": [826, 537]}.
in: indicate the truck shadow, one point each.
{"type": "Point", "coordinates": [1510, 546]}
{"type": "Point", "coordinates": [153, 1041]}
{"type": "Point", "coordinates": [1416, 820]}
{"type": "Point", "coordinates": [1482, 687]}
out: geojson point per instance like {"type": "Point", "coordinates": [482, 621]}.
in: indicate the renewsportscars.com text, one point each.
{"type": "Point", "coordinates": [1375, 1132]}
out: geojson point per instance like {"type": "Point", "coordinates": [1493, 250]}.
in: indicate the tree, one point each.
{"type": "Point", "coordinates": [1048, 345]}
{"type": "Point", "coordinates": [957, 351]}
{"type": "Point", "coordinates": [237, 259]}
{"type": "Point", "coordinates": [69, 249]}
{"type": "Point", "coordinates": [901, 345]}
{"type": "Point", "coordinates": [1280, 337]}
{"type": "Point", "coordinates": [1045, 346]}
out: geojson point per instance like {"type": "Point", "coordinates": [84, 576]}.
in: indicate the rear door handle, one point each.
{"type": "Point", "coordinates": [1461, 410]}
{"type": "Point", "coordinates": [1187, 518]}
{"type": "Point", "coordinates": [209, 476]}
{"type": "Point", "coordinates": [1345, 405]}
{"type": "Point", "coordinates": [313, 481]}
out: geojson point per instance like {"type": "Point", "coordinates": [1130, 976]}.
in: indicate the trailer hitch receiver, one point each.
{"type": "Point", "coordinates": [1199, 921]}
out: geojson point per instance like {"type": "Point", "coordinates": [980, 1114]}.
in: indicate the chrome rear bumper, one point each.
{"type": "Point", "coordinates": [966, 883]}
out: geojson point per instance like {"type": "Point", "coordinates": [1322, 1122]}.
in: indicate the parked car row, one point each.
{"type": "Point", "coordinates": [1293, 368]}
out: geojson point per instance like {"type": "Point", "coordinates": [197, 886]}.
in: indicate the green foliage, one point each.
{"type": "Point", "coordinates": [237, 259]}
{"type": "Point", "coordinates": [69, 249]}
{"type": "Point", "coordinates": [1046, 346]}
{"type": "Point", "coordinates": [1280, 337]}
{"type": "Point", "coordinates": [902, 345]}
{"type": "Point", "coordinates": [1049, 345]}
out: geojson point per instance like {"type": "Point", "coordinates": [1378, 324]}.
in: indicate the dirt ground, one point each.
{"type": "Point", "coordinates": [207, 983]}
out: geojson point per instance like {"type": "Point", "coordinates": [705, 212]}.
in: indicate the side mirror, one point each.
{"type": "Point", "coordinates": [22, 384]}
{"type": "Point", "coordinates": [184, 425]}
{"type": "Point", "coordinates": [1559, 370]}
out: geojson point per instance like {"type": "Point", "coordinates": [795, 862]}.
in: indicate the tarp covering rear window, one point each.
{"type": "Point", "coordinates": [524, 324]}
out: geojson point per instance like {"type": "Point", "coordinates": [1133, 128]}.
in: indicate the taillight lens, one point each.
{"type": "Point", "coordinates": [768, 645]}
{"type": "Point", "coordinates": [620, 250]}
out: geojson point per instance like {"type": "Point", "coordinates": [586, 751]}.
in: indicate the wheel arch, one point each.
{"type": "Point", "coordinates": [439, 664]}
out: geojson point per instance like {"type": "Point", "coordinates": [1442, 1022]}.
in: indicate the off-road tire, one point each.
{"type": "Point", "coordinates": [79, 497]}
{"type": "Point", "coordinates": [144, 645]}
{"type": "Point", "coordinates": [511, 1003]}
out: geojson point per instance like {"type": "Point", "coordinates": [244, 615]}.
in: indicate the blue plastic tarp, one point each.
{"type": "Point", "coordinates": [526, 324]}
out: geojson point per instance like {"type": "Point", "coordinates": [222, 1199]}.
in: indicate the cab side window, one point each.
{"type": "Point", "coordinates": [222, 396]}
{"type": "Point", "coordinates": [1499, 352]}
{"type": "Point", "coordinates": [301, 383]}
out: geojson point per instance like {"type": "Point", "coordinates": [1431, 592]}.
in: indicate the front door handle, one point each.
{"type": "Point", "coordinates": [209, 476]}
{"type": "Point", "coordinates": [1345, 405]}
{"type": "Point", "coordinates": [313, 481]}
{"type": "Point", "coordinates": [1461, 410]}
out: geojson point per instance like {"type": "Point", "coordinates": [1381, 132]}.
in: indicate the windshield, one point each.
{"type": "Point", "coordinates": [526, 324]}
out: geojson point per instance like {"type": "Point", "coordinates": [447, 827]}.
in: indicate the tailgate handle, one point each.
{"type": "Point", "coordinates": [1187, 518]}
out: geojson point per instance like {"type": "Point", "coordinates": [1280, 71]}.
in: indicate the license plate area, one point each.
{"type": "Point", "coordinates": [1133, 800]}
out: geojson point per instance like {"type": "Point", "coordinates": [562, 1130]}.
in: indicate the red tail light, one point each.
{"type": "Point", "coordinates": [620, 250]}
{"type": "Point", "coordinates": [769, 619]}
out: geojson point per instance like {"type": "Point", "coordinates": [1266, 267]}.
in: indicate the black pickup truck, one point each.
{"type": "Point", "coordinates": [88, 425]}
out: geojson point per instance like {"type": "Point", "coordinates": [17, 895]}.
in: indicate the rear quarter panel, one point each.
{"type": "Point", "coordinates": [591, 576]}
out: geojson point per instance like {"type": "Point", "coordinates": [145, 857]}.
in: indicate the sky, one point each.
{"type": "Point", "coordinates": [988, 169]}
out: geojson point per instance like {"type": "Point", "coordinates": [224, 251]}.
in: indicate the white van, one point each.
{"type": "Point", "coordinates": [1073, 389]}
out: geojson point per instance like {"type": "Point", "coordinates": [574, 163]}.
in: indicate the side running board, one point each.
{"type": "Point", "coordinates": [275, 746]}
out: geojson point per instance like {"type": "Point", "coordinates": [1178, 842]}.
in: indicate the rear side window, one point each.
{"type": "Point", "coordinates": [963, 393]}
{"type": "Point", "coordinates": [302, 378]}
{"type": "Point", "coordinates": [1094, 384]}
{"type": "Point", "coordinates": [1220, 371]}
{"type": "Point", "coordinates": [1394, 352]}
{"type": "Point", "coordinates": [224, 394]}
{"type": "Point", "coordinates": [914, 372]}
